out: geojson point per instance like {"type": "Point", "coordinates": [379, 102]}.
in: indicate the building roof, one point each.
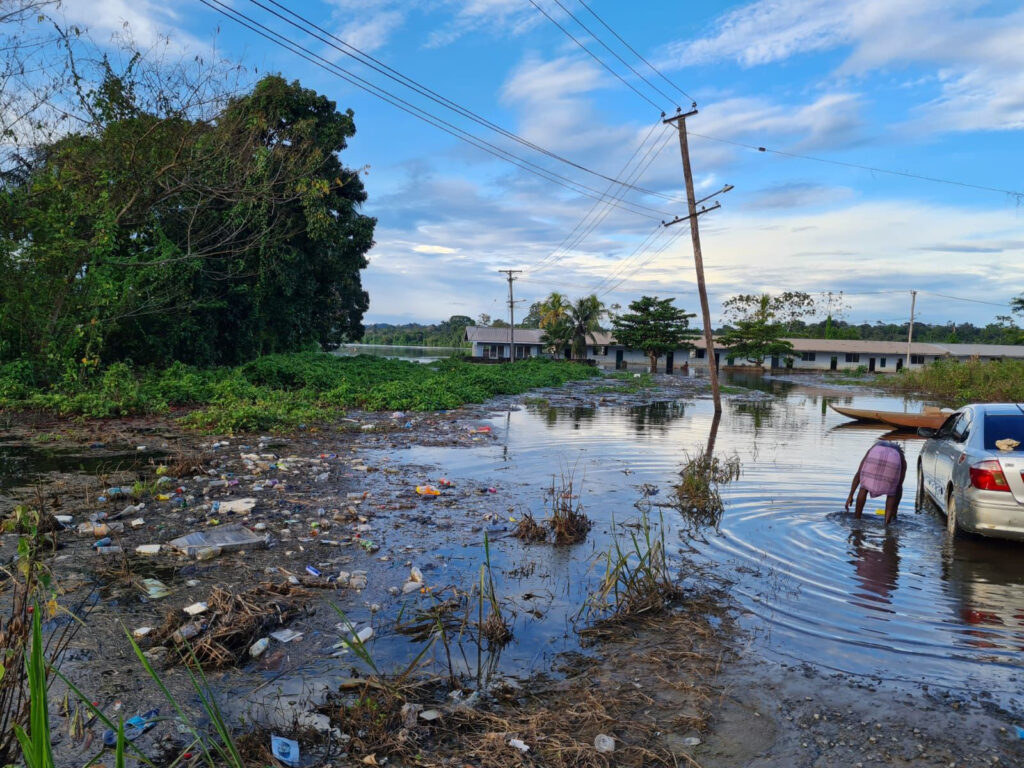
{"type": "Point", "coordinates": [501, 335]}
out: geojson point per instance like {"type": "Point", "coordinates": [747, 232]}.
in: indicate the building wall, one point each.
{"type": "Point", "coordinates": [499, 351]}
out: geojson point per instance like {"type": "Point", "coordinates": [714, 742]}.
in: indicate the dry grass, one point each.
{"type": "Point", "coordinates": [697, 496]}
{"type": "Point", "coordinates": [234, 622]}
{"type": "Point", "coordinates": [529, 530]}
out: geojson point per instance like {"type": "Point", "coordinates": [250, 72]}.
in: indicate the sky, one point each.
{"type": "Point", "coordinates": [892, 132]}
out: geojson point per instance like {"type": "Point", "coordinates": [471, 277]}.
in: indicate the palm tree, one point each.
{"type": "Point", "coordinates": [584, 319]}
{"type": "Point", "coordinates": [554, 319]}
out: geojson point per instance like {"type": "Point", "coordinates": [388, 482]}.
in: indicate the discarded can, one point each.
{"type": "Point", "coordinates": [312, 571]}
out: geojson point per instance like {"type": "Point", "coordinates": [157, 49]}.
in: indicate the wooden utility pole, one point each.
{"type": "Point", "coordinates": [511, 314]}
{"type": "Point", "coordinates": [910, 332]}
{"type": "Point", "coordinates": [698, 261]}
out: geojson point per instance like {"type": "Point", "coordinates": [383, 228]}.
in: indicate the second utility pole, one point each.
{"type": "Point", "coordinates": [698, 260]}
{"type": "Point", "coordinates": [511, 314]}
{"type": "Point", "coordinates": [910, 331]}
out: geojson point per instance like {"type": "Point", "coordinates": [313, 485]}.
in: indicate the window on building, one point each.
{"type": "Point", "coordinates": [881, 362]}
{"type": "Point", "coordinates": [852, 357]}
{"type": "Point", "coordinates": [701, 354]}
{"type": "Point", "coordinates": [917, 359]}
{"type": "Point", "coordinates": [604, 351]}
{"type": "Point", "coordinates": [808, 356]}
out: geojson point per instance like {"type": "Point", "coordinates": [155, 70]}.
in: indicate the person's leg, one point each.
{"type": "Point", "coordinates": [862, 496]}
{"type": "Point", "coordinates": [891, 504]}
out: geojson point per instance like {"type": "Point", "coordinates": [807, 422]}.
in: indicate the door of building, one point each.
{"type": "Point", "coordinates": [669, 361]}
{"type": "Point", "coordinates": [833, 364]}
{"type": "Point", "coordinates": [871, 365]}
{"type": "Point", "coordinates": [618, 360]}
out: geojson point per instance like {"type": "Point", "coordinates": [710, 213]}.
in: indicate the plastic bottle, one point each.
{"type": "Point", "coordinates": [256, 649]}
{"type": "Point", "coordinates": [207, 553]}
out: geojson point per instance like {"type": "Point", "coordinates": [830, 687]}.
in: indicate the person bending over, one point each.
{"type": "Point", "coordinates": [881, 471]}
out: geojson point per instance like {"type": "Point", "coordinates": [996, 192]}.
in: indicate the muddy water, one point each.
{"type": "Point", "coordinates": [815, 585]}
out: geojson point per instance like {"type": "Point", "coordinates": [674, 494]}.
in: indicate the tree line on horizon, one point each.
{"type": "Point", "coordinates": [755, 327]}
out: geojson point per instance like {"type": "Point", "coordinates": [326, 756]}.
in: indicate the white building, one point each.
{"type": "Point", "coordinates": [808, 354]}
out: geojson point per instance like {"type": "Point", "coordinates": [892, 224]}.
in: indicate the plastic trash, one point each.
{"type": "Point", "coordinates": [444, 482]}
{"type": "Point", "coordinates": [228, 538]}
{"type": "Point", "coordinates": [519, 744]}
{"type": "Point", "coordinates": [286, 635]}
{"type": "Point", "coordinates": [604, 743]}
{"type": "Point", "coordinates": [427, 490]}
{"type": "Point", "coordinates": [155, 589]}
{"type": "Point", "coordinates": [104, 542]}
{"type": "Point", "coordinates": [256, 649]}
{"type": "Point", "coordinates": [196, 608]}
{"type": "Point", "coordinates": [285, 750]}
{"type": "Point", "coordinates": [208, 553]}
{"type": "Point", "coordinates": [147, 549]}
{"type": "Point", "coordinates": [141, 632]}
{"type": "Point", "coordinates": [237, 506]}
{"type": "Point", "coordinates": [187, 632]}
{"type": "Point", "coordinates": [109, 550]}
{"type": "Point", "coordinates": [313, 571]}
{"type": "Point", "coordinates": [133, 727]}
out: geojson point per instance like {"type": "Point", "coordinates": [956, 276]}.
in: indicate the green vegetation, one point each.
{"type": "Point", "coordinates": [953, 383]}
{"type": "Point", "coordinates": [757, 328]}
{"type": "Point", "coordinates": [450, 333]}
{"type": "Point", "coordinates": [282, 391]}
{"type": "Point", "coordinates": [176, 218]}
{"type": "Point", "coordinates": [655, 326]}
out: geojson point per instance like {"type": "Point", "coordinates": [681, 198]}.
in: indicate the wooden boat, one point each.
{"type": "Point", "coordinates": [930, 417]}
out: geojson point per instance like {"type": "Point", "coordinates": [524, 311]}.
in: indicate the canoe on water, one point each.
{"type": "Point", "coordinates": [930, 417]}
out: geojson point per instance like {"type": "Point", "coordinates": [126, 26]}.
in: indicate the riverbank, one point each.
{"type": "Point", "coordinates": [342, 498]}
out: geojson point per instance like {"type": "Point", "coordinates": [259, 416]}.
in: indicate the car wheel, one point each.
{"type": "Point", "coordinates": [952, 524]}
{"type": "Point", "coordinates": [921, 500]}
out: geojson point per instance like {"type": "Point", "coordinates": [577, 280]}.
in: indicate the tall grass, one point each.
{"type": "Point", "coordinates": [954, 383]}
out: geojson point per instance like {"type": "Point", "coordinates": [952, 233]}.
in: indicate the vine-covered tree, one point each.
{"type": "Point", "coordinates": [157, 236]}
{"type": "Point", "coordinates": [655, 326]}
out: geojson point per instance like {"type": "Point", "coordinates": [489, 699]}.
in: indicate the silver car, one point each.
{"type": "Point", "coordinates": [972, 468]}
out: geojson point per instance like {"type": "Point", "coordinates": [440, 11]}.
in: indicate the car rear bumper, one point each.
{"type": "Point", "coordinates": [993, 513]}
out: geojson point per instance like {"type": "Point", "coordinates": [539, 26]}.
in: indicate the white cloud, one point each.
{"type": "Point", "coordinates": [511, 17]}
{"type": "Point", "coordinates": [434, 249]}
{"type": "Point", "coordinates": [979, 58]}
{"type": "Point", "coordinates": [146, 22]}
{"type": "Point", "coordinates": [372, 33]}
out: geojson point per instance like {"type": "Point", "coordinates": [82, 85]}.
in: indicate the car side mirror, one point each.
{"type": "Point", "coordinates": [926, 431]}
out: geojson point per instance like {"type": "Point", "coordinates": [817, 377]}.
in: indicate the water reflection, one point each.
{"type": "Point", "coordinates": [985, 579]}
{"type": "Point", "coordinates": [759, 411]}
{"type": "Point", "coordinates": [644, 417]}
{"type": "Point", "coordinates": [876, 566]}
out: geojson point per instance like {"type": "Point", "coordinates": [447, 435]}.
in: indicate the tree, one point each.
{"type": "Point", "coordinates": [655, 326]}
{"type": "Point", "coordinates": [554, 319]}
{"type": "Point", "coordinates": [584, 318]}
{"type": "Point", "coordinates": [532, 319]}
{"type": "Point", "coordinates": [787, 309]}
{"type": "Point", "coordinates": [755, 334]}
{"type": "Point", "coordinates": [155, 236]}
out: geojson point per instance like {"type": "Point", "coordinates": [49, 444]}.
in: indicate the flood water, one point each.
{"type": "Point", "coordinates": [814, 585]}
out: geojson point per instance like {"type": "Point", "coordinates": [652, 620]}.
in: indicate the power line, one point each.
{"type": "Point", "coordinates": [420, 113]}
{"type": "Point", "coordinates": [973, 301]}
{"type": "Point", "coordinates": [598, 212]}
{"type": "Point", "coordinates": [671, 241]}
{"type": "Point", "coordinates": [872, 169]}
{"type": "Point", "coordinates": [613, 53]}
{"type": "Point", "coordinates": [375, 64]}
{"type": "Point", "coordinates": [593, 55]}
{"type": "Point", "coordinates": [635, 53]}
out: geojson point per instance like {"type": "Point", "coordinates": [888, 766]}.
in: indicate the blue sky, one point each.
{"type": "Point", "coordinates": [921, 87]}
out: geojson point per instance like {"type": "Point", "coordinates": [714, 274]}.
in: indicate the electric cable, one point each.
{"type": "Point", "coordinates": [636, 53]}
{"type": "Point", "coordinates": [594, 56]}
{"type": "Point", "coordinates": [420, 113]}
{"type": "Point", "coordinates": [408, 82]}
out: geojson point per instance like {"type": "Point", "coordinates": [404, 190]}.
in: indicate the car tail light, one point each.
{"type": "Point", "coordinates": [988, 476]}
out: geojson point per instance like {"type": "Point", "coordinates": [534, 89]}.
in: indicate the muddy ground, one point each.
{"type": "Point", "coordinates": [346, 531]}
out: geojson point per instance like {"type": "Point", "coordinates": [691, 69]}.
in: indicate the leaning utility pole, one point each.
{"type": "Point", "coordinates": [698, 261]}
{"type": "Point", "coordinates": [511, 314]}
{"type": "Point", "coordinates": [910, 332]}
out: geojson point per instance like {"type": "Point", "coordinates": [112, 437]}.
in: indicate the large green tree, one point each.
{"type": "Point", "coordinates": [584, 316]}
{"type": "Point", "coordinates": [655, 326]}
{"type": "Point", "coordinates": [553, 318]}
{"type": "Point", "coordinates": [154, 235]}
{"type": "Point", "coordinates": [755, 333]}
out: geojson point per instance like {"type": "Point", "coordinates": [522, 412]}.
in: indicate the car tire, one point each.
{"type": "Point", "coordinates": [921, 500]}
{"type": "Point", "coordinates": [952, 524]}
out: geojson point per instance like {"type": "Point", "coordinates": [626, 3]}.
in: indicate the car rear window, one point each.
{"type": "Point", "coordinates": [998, 427]}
